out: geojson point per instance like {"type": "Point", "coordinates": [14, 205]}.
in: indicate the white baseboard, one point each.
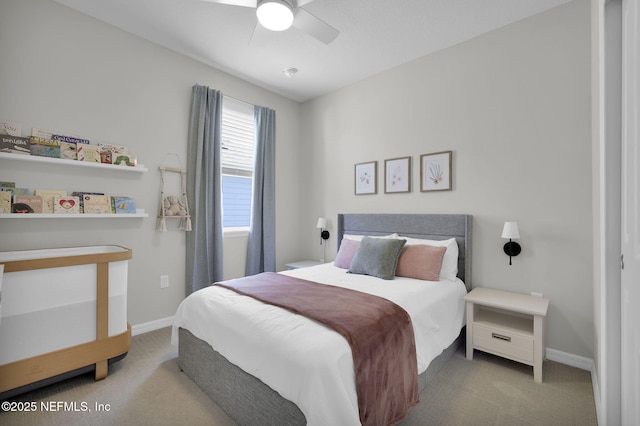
{"type": "Point", "coordinates": [582, 363]}
{"type": "Point", "coordinates": [577, 361]}
{"type": "Point", "coordinates": [596, 394]}
{"type": "Point", "coordinates": [151, 326]}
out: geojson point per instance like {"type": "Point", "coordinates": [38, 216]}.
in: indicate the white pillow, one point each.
{"type": "Point", "coordinates": [449, 269]}
{"type": "Point", "coordinates": [359, 237]}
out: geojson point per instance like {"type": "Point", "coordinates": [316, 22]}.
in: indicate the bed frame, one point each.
{"type": "Point", "coordinates": [248, 400]}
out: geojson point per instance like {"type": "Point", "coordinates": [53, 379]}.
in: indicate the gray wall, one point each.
{"type": "Point", "coordinates": [514, 107]}
{"type": "Point", "coordinates": [64, 71]}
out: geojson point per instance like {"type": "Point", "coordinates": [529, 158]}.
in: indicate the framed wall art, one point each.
{"type": "Point", "coordinates": [435, 171]}
{"type": "Point", "coordinates": [366, 178]}
{"type": "Point", "coordinates": [397, 175]}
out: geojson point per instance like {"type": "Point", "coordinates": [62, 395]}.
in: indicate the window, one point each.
{"type": "Point", "coordinates": [237, 157]}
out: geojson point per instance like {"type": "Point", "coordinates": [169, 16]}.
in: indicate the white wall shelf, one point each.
{"type": "Point", "coordinates": [72, 216]}
{"type": "Point", "coordinates": [73, 163]}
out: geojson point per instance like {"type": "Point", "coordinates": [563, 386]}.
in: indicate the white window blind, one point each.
{"type": "Point", "coordinates": [238, 135]}
{"type": "Point", "coordinates": [237, 158]}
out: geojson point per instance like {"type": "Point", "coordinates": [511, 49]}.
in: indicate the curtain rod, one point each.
{"type": "Point", "coordinates": [224, 94]}
{"type": "Point", "coordinates": [236, 99]}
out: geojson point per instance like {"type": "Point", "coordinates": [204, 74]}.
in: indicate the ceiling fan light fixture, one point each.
{"type": "Point", "coordinates": [275, 15]}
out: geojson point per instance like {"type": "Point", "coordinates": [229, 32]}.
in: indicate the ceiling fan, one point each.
{"type": "Point", "coordinates": [279, 15]}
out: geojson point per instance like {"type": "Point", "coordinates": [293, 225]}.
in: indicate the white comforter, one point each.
{"type": "Point", "coordinates": [304, 361]}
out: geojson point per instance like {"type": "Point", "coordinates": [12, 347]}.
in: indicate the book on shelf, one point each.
{"type": "Point", "coordinates": [26, 204]}
{"type": "Point", "coordinates": [121, 205]}
{"type": "Point", "coordinates": [96, 204]}
{"type": "Point", "coordinates": [81, 195]}
{"type": "Point", "coordinates": [41, 133]}
{"type": "Point", "coordinates": [125, 160]}
{"type": "Point", "coordinates": [10, 128]}
{"type": "Point", "coordinates": [7, 185]}
{"type": "Point", "coordinates": [66, 204]}
{"type": "Point", "coordinates": [106, 157]}
{"type": "Point", "coordinates": [69, 139]}
{"type": "Point", "coordinates": [5, 201]}
{"type": "Point", "coordinates": [48, 198]}
{"type": "Point", "coordinates": [45, 147]}
{"type": "Point", "coordinates": [15, 145]}
{"type": "Point", "coordinates": [115, 149]}
{"type": "Point", "coordinates": [68, 150]}
{"type": "Point", "coordinates": [50, 134]}
{"type": "Point", "coordinates": [90, 153]}
{"type": "Point", "coordinates": [19, 191]}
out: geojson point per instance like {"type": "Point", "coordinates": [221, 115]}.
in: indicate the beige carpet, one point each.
{"type": "Point", "coordinates": [148, 388]}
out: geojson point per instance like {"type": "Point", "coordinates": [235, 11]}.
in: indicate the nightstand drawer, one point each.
{"type": "Point", "coordinates": [503, 342]}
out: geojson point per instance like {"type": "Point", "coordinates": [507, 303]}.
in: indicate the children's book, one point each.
{"type": "Point", "coordinates": [15, 145]}
{"type": "Point", "coordinates": [26, 204]}
{"type": "Point", "coordinates": [10, 128]}
{"type": "Point", "coordinates": [5, 201]}
{"type": "Point", "coordinates": [123, 205]}
{"type": "Point", "coordinates": [67, 204]}
{"type": "Point", "coordinates": [47, 198]}
{"type": "Point", "coordinates": [96, 204]}
{"type": "Point", "coordinates": [45, 147]}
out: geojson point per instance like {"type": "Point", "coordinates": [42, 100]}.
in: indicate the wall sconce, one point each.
{"type": "Point", "coordinates": [510, 231]}
{"type": "Point", "coordinates": [322, 224]}
{"type": "Point", "coordinates": [324, 235]}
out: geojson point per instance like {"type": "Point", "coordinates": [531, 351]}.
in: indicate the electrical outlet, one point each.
{"type": "Point", "coordinates": [536, 294]}
{"type": "Point", "coordinates": [164, 281]}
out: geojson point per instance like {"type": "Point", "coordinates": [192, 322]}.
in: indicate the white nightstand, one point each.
{"type": "Point", "coordinates": [303, 264]}
{"type": "Point", "coordinates": [510, 325]}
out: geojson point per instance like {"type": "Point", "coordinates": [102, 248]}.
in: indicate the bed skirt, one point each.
{"type": "Point", "coordinates": [246, 399]}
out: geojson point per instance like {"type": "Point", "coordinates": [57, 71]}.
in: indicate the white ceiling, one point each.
{"type": "Point", "coordinates": [375, 35]}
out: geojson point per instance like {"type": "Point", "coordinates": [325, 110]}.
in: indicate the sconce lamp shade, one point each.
{"type": "Point", "coordinates": [510, 231]}
{"type": "Point", "coordinates": [324, 234]}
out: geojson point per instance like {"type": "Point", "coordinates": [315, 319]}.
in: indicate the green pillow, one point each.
{"type": "Point", "coordinates": [377, 257]}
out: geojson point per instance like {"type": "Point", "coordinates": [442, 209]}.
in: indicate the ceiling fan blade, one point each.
{"type": "Point", "coordinates": [244, 3]}
{"type": "Point", "coordinates": [255, 28]}
{"type": "Point", "coordinates": [314, 26]}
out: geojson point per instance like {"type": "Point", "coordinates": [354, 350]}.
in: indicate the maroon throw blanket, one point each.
{"type": "Point", "coordinates": [379, 332]}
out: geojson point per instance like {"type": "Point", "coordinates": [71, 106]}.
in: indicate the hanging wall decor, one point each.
{"type": "Point", "coordinates": [435, 171]}
{"type": "Point", "coordinates": [174, 206]}
{"type": "Point", "coordinates": [365, 178]}
{"type": "Point", "coordinates": [397, 175]}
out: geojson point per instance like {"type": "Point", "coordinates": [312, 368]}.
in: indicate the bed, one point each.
{"type": "Point", "coordinates": [305, 375]}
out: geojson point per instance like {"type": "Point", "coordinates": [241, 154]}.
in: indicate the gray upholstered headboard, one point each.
{"type": "Point", "coordinates": [427, 226]}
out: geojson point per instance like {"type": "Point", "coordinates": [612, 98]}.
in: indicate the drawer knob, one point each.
{"type": "Point", "coordinates": [501, 337]}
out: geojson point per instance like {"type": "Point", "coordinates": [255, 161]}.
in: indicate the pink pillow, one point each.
{"type": "Point", "coordinates": [346, 252]}
{"type": "Point", "coordinates": [420, 261]}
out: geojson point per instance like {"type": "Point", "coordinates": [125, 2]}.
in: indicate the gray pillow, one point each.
{"type": "Point", "coordinates": [377, 257]}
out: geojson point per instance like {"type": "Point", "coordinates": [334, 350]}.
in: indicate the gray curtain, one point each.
{"type": "Point", "coordinates": [261, 251]}
{"type": "Point", "coordinates": [204, 263]}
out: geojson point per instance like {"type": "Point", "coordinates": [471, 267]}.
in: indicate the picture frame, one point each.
{"type": "Point", "coordinates": [435, 171]}
{"type": "Point", "coordinates": [366, 178]}
{"type": "Point", "coordinates": [397, 175]}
